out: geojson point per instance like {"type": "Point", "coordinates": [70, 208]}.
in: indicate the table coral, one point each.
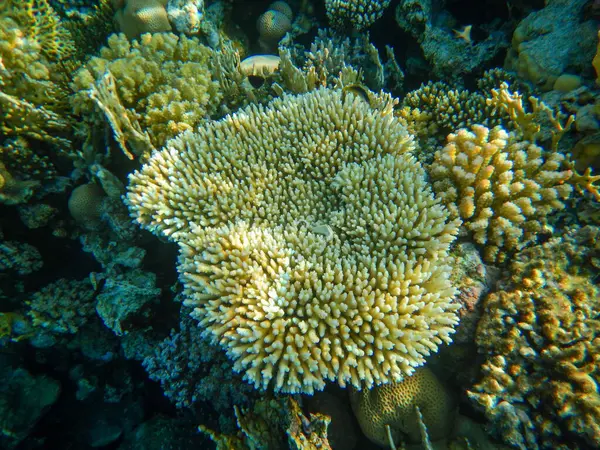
{"type": "Point", "coordinates": [540, 335]}
{"type": "Point", "coordinates": [503, 187]}
{"type": "Point", "coordinates": [161, 84]}
{"type": "Point", "coordinates": [311, 246]}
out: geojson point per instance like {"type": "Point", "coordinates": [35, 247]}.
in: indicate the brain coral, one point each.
{"type": "Point", "coordinates": [312, 248]}
{"type": "Point", "coordinates": [395, 404]}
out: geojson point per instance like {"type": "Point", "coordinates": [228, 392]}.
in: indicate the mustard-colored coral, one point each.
{"type": "Point", "coordinates": [33, 100]}
{"type": "Point", "coordinates": [394, 405]}
{"type": "Point", "coordinates": [501, 186]}
{"type": "Point", "coordinates": [149, 90]}
{"type": "Point", "coordinates": [541, 337]}
{"type": "Point", "coordinates": [311, 246]}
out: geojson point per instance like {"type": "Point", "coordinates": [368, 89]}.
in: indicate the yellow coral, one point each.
{"type": "Point", "coordinates": [312, 248]}
{"type": "Point", "coordinates": [502, 187]}
{"type": "Point", "coordinates": [136, 17]}
{"type": "Point", "coordinates": [160, 84]}
{"type": "Point", "coordinates": [541, 337]}
{"type": "Point", "coordinates": [395, 404]}
{"type": "Point", "coordinates": [32, 95]}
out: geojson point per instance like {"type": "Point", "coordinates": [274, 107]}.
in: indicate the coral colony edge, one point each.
{"type": "Point", "coordinates": [300, 224]}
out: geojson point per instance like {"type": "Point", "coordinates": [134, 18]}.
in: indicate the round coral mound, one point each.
{"type": "Point", "coordinates": [312, 248]}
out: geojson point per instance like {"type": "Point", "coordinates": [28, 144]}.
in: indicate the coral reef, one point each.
{"type": "Point", "coordinates": [450, 54]}
{"type": "Point", "coordinates": [273, 424]}
{"type": "Point", "coordinates": [33, 99]}
{"type": "Point", "coordinates": [190, 369]}
{"type": "Point", "coordinates": [136, 17]}
{"type": "Point", "coordinates": [33, 393]}
{"type": "Point", "coordinates": [395, 405]}
{"type": "Point", "coordinates": [502, 187]}
{"type": "Point", "coordinates": [540, 337]}
{"type": "Point", "coordinates": [321, 257]}
{"type": "Point", "coordinates": [551, 42]}
{"type": "Point", "coordinates": [148, 90]}
{"type": "Point", "coordinates": [62, 307]}
{"type": "Point", "coordinates": [354, 14]}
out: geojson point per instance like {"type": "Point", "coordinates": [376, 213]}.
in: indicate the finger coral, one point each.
{"type": "Point", "coordinates": [311, 246]}
{"type": "Point", "coordinates": [501, 186]}
{"type": "Point", "coordinates": [161, 84]}
{"type": "Point", "coordinates": [540, 335]}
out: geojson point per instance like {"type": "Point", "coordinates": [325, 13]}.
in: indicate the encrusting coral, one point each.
{"type": "Point", "coordinates": [160, 84]}
{"type": "Point", "coordinates": [394, 405]}
{"type": "Point", "coordinates": [540, 335]}
{"type": "Point", "coordinates": [311, 246]}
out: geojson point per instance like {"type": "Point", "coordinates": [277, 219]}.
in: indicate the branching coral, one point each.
{"type": "Point", "coordinates": [312, 248]}
{"type": "Point", "coordinates": [160, 84]}
{"type": "Point", "coordinates": [501, 186]}
{"type": "Point", "coordinates": [541, 337]}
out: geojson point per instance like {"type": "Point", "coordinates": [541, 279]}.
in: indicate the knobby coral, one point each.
{"type": "Point", "coordinates": [541, 337]}
{"type": "Point", "coordinates": [311, 246]}
{"type": "Point", "coordinates": [161, 84]}
{"type": "Point", "coordinates": [503, 187]}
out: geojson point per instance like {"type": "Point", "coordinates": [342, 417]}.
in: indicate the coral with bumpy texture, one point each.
{"type": "Point", "coordinates": [501, 186]}
{"type": "Point", "coordinates": [32, 95]}
{"type": "Point", "coordinates": [541, 339]}
{"type": "Point", "coordinates": [356, 14]}
{"type": "Point", "coordinates": [395, 404]}
{"type": "Point", "coordinates": [63, 306]}
{"type": "Point", "coordinates": [160, 84]}
{"type": "Point", "coordinates": [136, 17]}
{"type": "Point", "coordinates": [312, 248]}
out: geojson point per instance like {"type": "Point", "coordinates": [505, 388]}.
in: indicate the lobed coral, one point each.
{"type": "Point", "coordinates": [160, 84]}
{"type": "Point", "coordinates": [502, 187]}
{"type": "Point", "coordinates": [541, 339]}
{"type": "Point", "coordinates": [311, 246]}
{"type": "Point", "coordinates": [355, 14]}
